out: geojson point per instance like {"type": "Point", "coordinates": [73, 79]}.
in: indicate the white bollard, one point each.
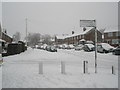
{"type": "Point", "coordinates": [62, 67]}
{"type": "Point", "coordinates": [41, 67]}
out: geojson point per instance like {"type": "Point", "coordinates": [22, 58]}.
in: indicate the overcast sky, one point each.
{"type": "Point", "coordinates": [57, 18]}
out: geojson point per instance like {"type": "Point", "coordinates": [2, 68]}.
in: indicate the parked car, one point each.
{"type": "Point", "coordinates": [79, 47]}
{"type": "Point", "coordinates": [89, 47]}
{"type": "Point", "coordinates": [104, 48]}
{"type": "Point", "coordinates": [89, 42]}
{"type": "Point", "coordinates": [60, 46]}
{"type": "Point", "coordinates": [65, 46]}
{"type": "Point", "coordinates": [44, 46]}
{"type": "Point", "coordinates": [71, 46]}
{"type": "Point", "coordinates": [116, 51]}
{"type": "Point", "coordinates": [48, 47]}
{"type": "Point", "coordinates": [53, 49]}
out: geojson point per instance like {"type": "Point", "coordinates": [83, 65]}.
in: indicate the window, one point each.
{"type": "Point", "coordinates": [110, 34]}
{"type": "Point", "coordinates": [117, 33]}
{"type": "Point", "coordinates": [115, 41]}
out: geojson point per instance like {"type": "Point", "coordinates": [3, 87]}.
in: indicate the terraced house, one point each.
{"type": "Point", "coordinates": [112, 37]}
{"type": "Point", "coordinates": [87, 33]}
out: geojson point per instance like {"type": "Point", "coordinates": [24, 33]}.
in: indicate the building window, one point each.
{"type": "Point", "coordinates": [115, 41]}
{"type": "Point", "coordinates": [117, 33]}
{"type": "Point", "coordinates": [110, 34]}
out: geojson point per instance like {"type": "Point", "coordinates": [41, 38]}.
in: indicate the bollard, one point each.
{"type": "Point", "coordinates": [113, 71]}
{"type": "Point", "coordinates": [41, 67]}
{"type": "Point", "coordinates": [85, 67]}
{"type": "Point", "coordinates": [62, 67]}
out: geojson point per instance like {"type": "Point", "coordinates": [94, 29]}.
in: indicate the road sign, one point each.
{"type": "Point", "coordinates": [91, 23]}
{"type": "Point", "coordinates": [87, 23]}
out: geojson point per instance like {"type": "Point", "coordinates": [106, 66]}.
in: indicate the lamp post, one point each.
{"type": "Point", "coordinates": [26, 30]}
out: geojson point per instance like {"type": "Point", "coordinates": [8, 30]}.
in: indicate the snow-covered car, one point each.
{"type": "Point", "coordinates": [41, 47]}
{"type": "Point", "coordinates": [89, 42]}
{"type": "Point", "coordinates": [71, 46]}
{"type": "Point", "coordinates": [44, 46]}
{"type": "Point", "coordinates": [104, 48]}
{"type": "Point", "coordinates": [89, 47]}
{"type": "Point", "coordinates": [116, 51]}
{"type": "Point", "coordinates": [79, 47]}
{"type": "Point", "coordinates": [65, 46]}
{"type": "Point", "coordinates": [60, 46]}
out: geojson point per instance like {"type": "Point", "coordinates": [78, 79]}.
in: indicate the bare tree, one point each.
{"type": "Point", "coordinates": [46, 39]}
{"type": "Point", "coordinates": [33, 39]}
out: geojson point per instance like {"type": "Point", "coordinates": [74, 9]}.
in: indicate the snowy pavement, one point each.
{"type": "Point", "coordinates": [22, 70]}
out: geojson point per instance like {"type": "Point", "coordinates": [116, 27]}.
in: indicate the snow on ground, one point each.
{"type": "Point", "coordinates": [22, 70]}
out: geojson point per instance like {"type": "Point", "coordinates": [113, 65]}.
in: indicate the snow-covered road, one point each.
{"type": "Point", "coordinates": [22, 70]}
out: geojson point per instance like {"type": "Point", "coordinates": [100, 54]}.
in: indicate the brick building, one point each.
{"type": "Point", "coordinates": [59, 39]}
{"type": "Point", "coordinates": [87, 33]}
{"type": "Point", "coordinates": [112, 37]}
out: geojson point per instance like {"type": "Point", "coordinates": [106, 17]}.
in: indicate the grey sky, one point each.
{"type": "Point", "coordinates": [57, 18]}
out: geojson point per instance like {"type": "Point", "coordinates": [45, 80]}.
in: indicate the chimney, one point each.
{"type": "Point", "coordinates": [73, 32]}
{"type": "Point", "coordinates": [84, 29]}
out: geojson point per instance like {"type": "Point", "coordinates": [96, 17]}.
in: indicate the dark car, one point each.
{"type": "Point", "coordinates": [48, 48]}
{"type": "Point", "coordinates": [51, 48]}
{"type": "Point", "coordinates": [116, 51]}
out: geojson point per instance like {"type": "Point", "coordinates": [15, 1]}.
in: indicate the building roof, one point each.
{"type": "Point", "coordinates": [61, 37]}
{"type": "Point", "coordinates": [81, 32]}
{"type": "Point", "coordinates": [111, 30]}
{"type": "Point", "coordinates": [2, 40]}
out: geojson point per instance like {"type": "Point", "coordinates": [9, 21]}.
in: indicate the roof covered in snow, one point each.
{"type": "Point", "coordinates": [2, 40]}
{"type": "Point", "coordinates": [81, 32]}
{"type": "Point", "coordinates": [60, 37]}
{"type": "Point", "coordinates": [111, 30]}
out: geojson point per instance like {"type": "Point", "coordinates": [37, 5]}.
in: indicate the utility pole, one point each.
{"type": "Point", "coordinates": [95, 49]}
{"type": "Point", "coordinates": [26, 31]}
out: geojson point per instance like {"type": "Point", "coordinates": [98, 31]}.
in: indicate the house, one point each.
{"type": "Point", "coordinates": [112, 37]}
{"type": "Point", "coordinates": [4, 36]}
{"type": "Point", "coordinates": [59, 39]}
{"type": "Point", "coordinates": [87, 33]}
